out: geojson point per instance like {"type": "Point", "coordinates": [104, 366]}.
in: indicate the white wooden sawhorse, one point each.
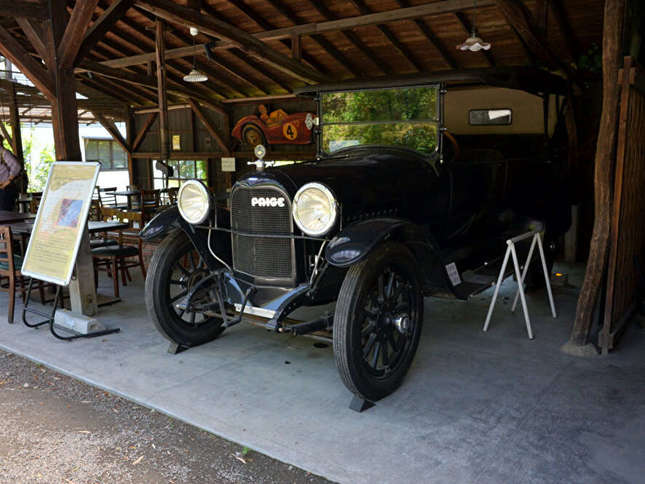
{"type": "Point", "coordinates": [510, 251]}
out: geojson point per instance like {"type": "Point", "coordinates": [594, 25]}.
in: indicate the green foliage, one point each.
{"type": "Point", "coordinates": [402, 117]}
{"type": "Point", "coordinates": [591, 61]}
{"type": "Point", "coordinates": [37, 170]}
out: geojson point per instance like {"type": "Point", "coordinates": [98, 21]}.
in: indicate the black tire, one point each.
{"type": "Point", "coordinates": [253, 136]}
{"type": "Point", "coordinates": [363, 323]}
{"type": "Point", "coordinates": [175, 268]}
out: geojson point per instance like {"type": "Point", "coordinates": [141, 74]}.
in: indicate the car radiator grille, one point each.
{"type": "Point", "coordinates": [253, 254]}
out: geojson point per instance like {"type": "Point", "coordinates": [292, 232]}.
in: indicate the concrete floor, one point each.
{"type": "Point", "coordinates": [475, 407]}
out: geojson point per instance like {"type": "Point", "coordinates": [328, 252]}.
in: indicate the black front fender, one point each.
{"type": "Point", "coordinates": [357, 240]}
{"type": "Point", "coordinates": [165, 222]}
{"type": "Point", "coordinates": [162, 223]}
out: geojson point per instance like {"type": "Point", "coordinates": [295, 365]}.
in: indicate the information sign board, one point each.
{"type": "Point", "coordinates": [60, 222]}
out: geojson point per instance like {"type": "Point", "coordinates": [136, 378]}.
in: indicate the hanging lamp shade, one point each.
{"type": "Point", "coordinates": [195, 76]}
{"type": "Point", "coordinates": [474, 43]}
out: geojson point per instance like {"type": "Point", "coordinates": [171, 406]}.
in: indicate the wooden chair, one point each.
{"type": "Point", "coordinates": [10, 275]}
{"type": "Point", "coordinates": [108, 200]}
{"type": "Point", "coordinates": [35, 201]}
{"type": "Point", "coordinates": [119, 257]}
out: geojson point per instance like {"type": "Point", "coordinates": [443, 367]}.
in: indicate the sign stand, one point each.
{"type": "Point", "coordinates": [59, 252]}
{"type": "Point", "coordinates": [51, 317]}
{"type": "Point", "coordinates": [510, 251]}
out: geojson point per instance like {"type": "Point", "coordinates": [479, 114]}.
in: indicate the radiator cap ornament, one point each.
{"type": "Point", "coordinates": [260, 152]}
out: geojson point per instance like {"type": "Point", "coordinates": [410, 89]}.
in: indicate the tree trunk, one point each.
{"type": "Point", "coordinates": [612, 53]}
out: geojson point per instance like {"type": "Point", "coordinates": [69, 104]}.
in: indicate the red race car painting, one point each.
{"type": "Point", "coordinates": [277, 127]}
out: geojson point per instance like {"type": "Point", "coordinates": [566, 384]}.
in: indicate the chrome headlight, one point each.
{"type": "Point", "coordinates": [314, 209]}
{"type": "Point", "coordinates": [194, 201]}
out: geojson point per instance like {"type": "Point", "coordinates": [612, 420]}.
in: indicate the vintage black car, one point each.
{"type": "Point", "coordinates": [373, 228]}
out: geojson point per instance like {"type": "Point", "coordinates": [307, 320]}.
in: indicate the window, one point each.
{"type": "Point", "coordinates": [489, 117]}
{"type": "Point", "coordinates": [406, 117]}
{"type": "Point", "coordinates": [182, 170]}
{"type": "Point", "coordinates": [106, 151]}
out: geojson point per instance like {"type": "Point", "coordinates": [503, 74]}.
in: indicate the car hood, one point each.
{"type": "Point", "coordinates": [365, 181]}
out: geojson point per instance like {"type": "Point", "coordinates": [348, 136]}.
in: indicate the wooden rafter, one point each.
{"type": "Point", "coordinates": [363, 9]}
{"type": "Point", "coordinates": [111, 128]}
{"type": "Point", "coordinates": [221, 66]}
{"type": "Point", "coordinates": [18, 8]}
{"type": "Point", "coordinates": [144, 130]}
{"type": "Point", "coordinates": [241, 39]}
{"type": "Point", "coordinates": [264, 24]}
{"type": "Point", "coordinates": [571, 44]}
{"type": "Point", "coordinates": [101, 25]}
{"type": "Point", "coordinates": [520, 19]}
{"type": "Point", "coordinates": [34, 34]}
{"type": "Point", "coordinates": [184, 89]}
{"type": "Point", "coordinates": [75, 30]}
{"type": "Point", "coordinates": [160, 62]}
{"type": "Point", "coordinates": [209, 126]}
{"type": "Point", "coordinates": [323, 42]}
{"type": "Point", "coordinates": [119, 74]}
{"type": "Point", "coordinates": [429, 9]}
{"type": "Point", "coordinates": [353, 38]}
{"type": "Point", "coordinates": [431, 37]}
{"type": "Point", "coordinates": [12, 50]}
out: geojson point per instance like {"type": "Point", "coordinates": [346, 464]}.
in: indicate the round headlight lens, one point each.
{"type": "Point", "coordinates": [194, 202]}
{"type": "Point", "coordinates": [314, 209]}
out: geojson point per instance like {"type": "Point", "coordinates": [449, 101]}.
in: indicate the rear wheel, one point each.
{"type": "Point", "coordinates": [175, 269]}
{"type": "Point", "coordinates": [377, 324]}
{"type": "Point", "coordinates": [252, 136]}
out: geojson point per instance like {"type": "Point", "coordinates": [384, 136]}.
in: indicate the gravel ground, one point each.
{"type": "Point", "coordinates": [57, 429]}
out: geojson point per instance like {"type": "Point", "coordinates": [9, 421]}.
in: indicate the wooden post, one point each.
{"type": "Point", "coordinates": [603, 176]}
{"type": "Point", "coordinates": [160, 49]}
{"type": "Point", "coordinates": [129, 137]}
{"type": "Point", "coordinates": [66, 142]}
{"type": "Point", "coordinates": [16, 134]}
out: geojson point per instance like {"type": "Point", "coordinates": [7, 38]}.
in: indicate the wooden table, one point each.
{"type": "Point", "coordinates": [24, 229]}
{"type": "Point", "coordinates": [129, 194]}
{"type": "Point", "coordinates": [93, 227]}
{"type": "Point", "coordinates": [7, 217]}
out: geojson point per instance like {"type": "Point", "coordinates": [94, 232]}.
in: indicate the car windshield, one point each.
{"type": "Point", "coordinates": [406, 117]}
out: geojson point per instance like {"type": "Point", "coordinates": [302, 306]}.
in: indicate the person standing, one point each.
{"type": "Point", "coordinates": [10, 169]}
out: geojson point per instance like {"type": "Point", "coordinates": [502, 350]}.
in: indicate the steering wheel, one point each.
{"type": "Point", "coordinates": [455, 145]}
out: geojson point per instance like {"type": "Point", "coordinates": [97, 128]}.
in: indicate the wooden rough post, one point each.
{"type": "Point", "coordinates": [612, 51]}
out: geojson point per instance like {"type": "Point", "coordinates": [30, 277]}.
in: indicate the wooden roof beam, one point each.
{"type": "Point", "coordinates": [176, 67]}
{"type": "Point", "coordinates": [101, 25]}
{"type": "Point", "coordinates": [363, 9]}
{"type": "Point", "coordinates": [431, 37]}
{"type": "Point", "coordinates": [323, 42]}
{"type": "Point", "coordinates": [246, 42]}
{"type": "Point", "coordinates": [429, 9]}
{"type": "Point", "coordinates": [111, 128]}
{"type": "Point", "coordinates": [265, 25]}
{"type": "Point", "coordinates": [352, 38]}
{"type": "Point", "coordinates": [30, 67]}
{"type": "Point", "coordinates": [35, 35]}
{"type": "Point", "coordinates": [520, 19]}
{"type": "Point", "coordinates": [194, 105]}
{"type": "Point", "coordinates": [75, 30]}
{"type": "Point", "coordinates": [144, 129]}
{"type": "Point", "coordinates": [18, 8]}
{"type": "Point", "coordinates": [571, 44]}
